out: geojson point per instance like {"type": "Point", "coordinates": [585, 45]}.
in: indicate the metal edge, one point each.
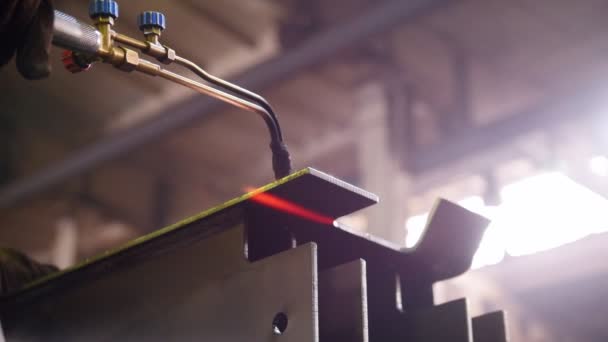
{"type": "Point", "coordinates": [160, 232]}
{"type": "Point", "coordinates": [347, 186]}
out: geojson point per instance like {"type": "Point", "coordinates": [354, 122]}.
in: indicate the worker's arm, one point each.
{"type": "Point", "coordinates": [26, 29]}
{"type": "Point", "coordinates": [16, 270]}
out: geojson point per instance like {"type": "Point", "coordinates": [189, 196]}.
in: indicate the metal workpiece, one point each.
{"type": "Point", "coordinates": [399, 282]}
{"type": "Point", "coordinates": [445, 322]}
{"type": "Point", "coordinates": [449, 240]}
{"type": "Point", "coordinates": [207, 291]}
{"type": "Point", "coordinates": [446, 250]}
{"type": "Point", "coordinates": [490, 327]}
{"type": "Point", "coordinates": [451, 321]}
{"type": "Point", "coordinates": [270, 265]}
{"type": "Point", "coordinates": [343, 303]}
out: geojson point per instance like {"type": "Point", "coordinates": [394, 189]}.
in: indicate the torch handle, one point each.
{"type": "Point", "coordinates": [73, 34]}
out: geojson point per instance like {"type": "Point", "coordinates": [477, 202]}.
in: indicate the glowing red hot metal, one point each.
{"type": "Point", "coordinates": [289, 207]}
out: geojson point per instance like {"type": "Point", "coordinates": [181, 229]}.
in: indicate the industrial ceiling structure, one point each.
{"type": "Point", "coordinates": [409, 99]}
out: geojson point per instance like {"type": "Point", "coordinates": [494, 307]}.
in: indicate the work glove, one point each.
{"type": "Point", "coordinates": [17, 270]}
{"type": "Point", "coordinates": [26, 28]}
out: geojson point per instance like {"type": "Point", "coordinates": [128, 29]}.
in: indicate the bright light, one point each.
{"type": "Point", "coordinates": [491, 250]}
{"type": "Point", "coordinates": [475, 204]}
{"type": "Point", "coordinates": [415, 226]}
{"type": "Point", "coordinates": [599, 165]}
{"type": "Point", "coordinates": [547, 211]}
{"type": "Point", "coordinates": [536, 214]}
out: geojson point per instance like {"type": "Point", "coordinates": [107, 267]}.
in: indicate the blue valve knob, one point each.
{"type": "Point", "coordinates": [103, 8]}
{"type": "Point", "coordinates": [151, 19]}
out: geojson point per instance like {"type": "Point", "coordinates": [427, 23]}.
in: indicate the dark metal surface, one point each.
{"type": "Point", "coordinates": [307, 54]}
{"type": "Point", "coordinates": [446, 322]}
{"type": "Point", "coordinates": [450, 240]}
{"type": "Point", "coordinates": [446, 250]}
{"type": "Point", "coordinates": [451, 235]}
{"type": "Point", "coordinates": [226, 274]}
{"type": "Point", "coordinates": [343, 303]}
{"type": "Point", "coordinates": [298, 188]}
{"type": "Point", "coordinates": [338, 198]}
{"type": "Point", "coordinates": [490, 327]}
{"type": "Point", "coordinates": [207, 291]}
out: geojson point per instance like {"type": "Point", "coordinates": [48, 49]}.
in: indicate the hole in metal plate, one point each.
{"type": "Point", "coordinates": [279, 323]}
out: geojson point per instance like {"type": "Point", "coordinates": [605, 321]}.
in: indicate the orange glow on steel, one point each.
{"type": "Point", "coordinates": [289, 207]}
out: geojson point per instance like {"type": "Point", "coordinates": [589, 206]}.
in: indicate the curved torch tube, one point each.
{"type": "Point", "coordinates": [228, 98]}
{"type": "Point", "coordinates": [144, 48]}
{"type": "Point", "coordinates": [72, 34]}
{"type": "Point", "coordinates": [281, 160]}
{"type": "Point", "coordinates": [230, 87]}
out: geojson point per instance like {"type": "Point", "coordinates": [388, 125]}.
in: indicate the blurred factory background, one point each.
{"type": "Point", "coordinates": [498, 105]}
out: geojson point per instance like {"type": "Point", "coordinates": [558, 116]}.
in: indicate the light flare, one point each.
{"type": "Point", "coordinates": [536, 214]}
{"type": "Point", "coordinates": [280, 204]}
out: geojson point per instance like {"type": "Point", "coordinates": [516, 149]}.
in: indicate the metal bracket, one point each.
{"type": "Point", "coordinates": [250, 271]}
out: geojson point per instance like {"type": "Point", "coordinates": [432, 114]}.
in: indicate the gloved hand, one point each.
{"type": "Point", "coordinates": [16, 270]}
{"type": "Point", "coordinates": [26, 28]}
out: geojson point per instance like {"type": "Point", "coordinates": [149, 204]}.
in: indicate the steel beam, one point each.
{"type": "Point", "coordinates": [208, 290]}
{"type": "Point", "coordinates": [252, 270]}
{"type": "Point", "coordinates": [309, 53]}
